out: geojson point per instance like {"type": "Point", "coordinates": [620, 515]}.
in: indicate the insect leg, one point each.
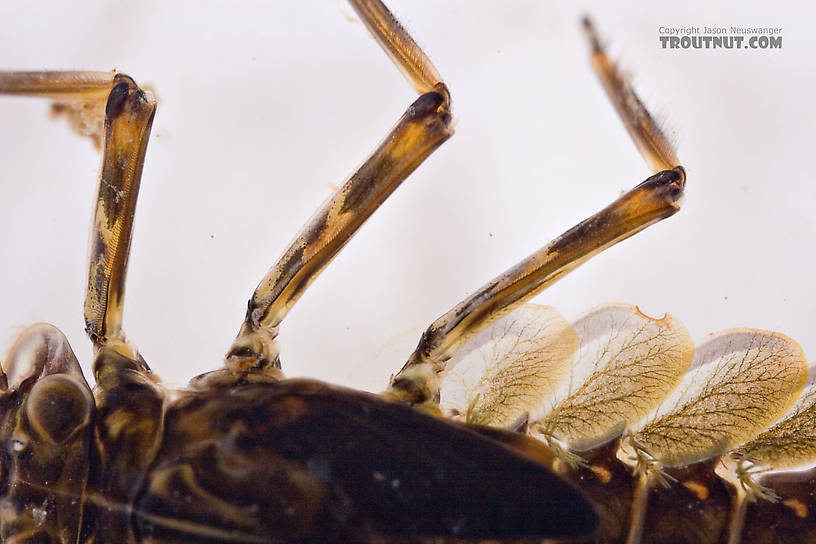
{"type": "Point", "coordinates": [125, 114]}
{"type": "Point", "coordinates": [423, 128]}
{"type": "Point", "coordinates": [656, 198]}
{"type": "Point", "coordinates": [653, 200]}
{"type": "Point", "coordinates": [128, 117]}
{"type": "Point", "coordinates": [78, 95]}
{"type": "Point", "coordinates": [58, 85]}
{"type": "Point", "coordinates": [398, 45]}
{"type": "Point", "coordinates": [649, 138]}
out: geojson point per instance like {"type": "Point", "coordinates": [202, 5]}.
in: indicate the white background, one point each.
{"type": "Point", "coordinates": [265, 106]}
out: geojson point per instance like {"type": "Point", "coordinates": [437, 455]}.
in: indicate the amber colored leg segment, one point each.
{"type": "Point", "coordinates": [58, 85]}
{"type": "Point", "coordinates": [399, 45]}
{"type": "Point", "coordinates": [645, 132]}
{"type": "Point", "coordinates": [656, 198]}
{"type": "Point", "coordinates": [416, 135]}
{"type": "Point", "coordinates": [128, 118]}
{"type": "Point", "coordinates": [124, 129]}
{"type": "Point", "coordinates": [422, 129]}
{"type": "Point", "coordinates": [79, 96]}
{"type": "Point", "coordinates": [653, 200]}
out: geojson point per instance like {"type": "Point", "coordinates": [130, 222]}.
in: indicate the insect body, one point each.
{"type": "Point", "coordinates": [242, 455]}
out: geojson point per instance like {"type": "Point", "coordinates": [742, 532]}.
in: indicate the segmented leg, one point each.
{"type": "Point", "coordinates": [650, 140]}
{"type": "Point", "coordinates": [125, 114]}
{"type": "Point", "coordinates": [653, 200]}
{"type": "Point", "coordinates": [424, 127]}
{"type": "Point", "coordinates": [128, 118]}
{"type": "Point", "coordinates": [131, 422]}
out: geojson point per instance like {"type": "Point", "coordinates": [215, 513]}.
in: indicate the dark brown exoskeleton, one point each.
{"type": "Point", "coordinates": [242, 454]}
